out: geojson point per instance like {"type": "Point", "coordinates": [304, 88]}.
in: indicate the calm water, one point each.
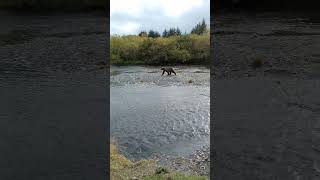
{"type": "Point", "coordinates": [153, 114]}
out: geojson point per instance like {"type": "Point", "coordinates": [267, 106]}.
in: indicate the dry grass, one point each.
{"type": "Point", "coordinates": [123, 169]}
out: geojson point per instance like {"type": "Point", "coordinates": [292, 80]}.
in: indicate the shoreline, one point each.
{"type": "Point", "coordinates": [197, 163]}
{"type": "Point", "coordinates": [194, 166]}
{"type": "Point", "coordinates": [170, 65]}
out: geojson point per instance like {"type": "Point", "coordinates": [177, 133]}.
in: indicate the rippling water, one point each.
{"type": "Point", "coordinates": [152, 114]}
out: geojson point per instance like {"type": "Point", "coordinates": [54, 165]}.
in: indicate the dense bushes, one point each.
{"type": "Point", "coordinates": [172, 48]}
{"type": "Point", "coordinates": [125, 49]}
{"type": "Point", "coordinates": [184, 49]}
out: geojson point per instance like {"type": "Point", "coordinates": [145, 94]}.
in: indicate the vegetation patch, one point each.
{"type": "Point", "coordinates": [171, 48]}
{"type": "Point", "coordinates": [162, 170]}
{"type": "Point", "coordinates": [123, 169]}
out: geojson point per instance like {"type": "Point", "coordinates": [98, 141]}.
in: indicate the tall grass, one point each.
{"type": "Point", "coordinates": [184, 49]}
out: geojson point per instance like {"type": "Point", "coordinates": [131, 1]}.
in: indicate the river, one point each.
{"type": "Point", "coordinates": [154, 114]}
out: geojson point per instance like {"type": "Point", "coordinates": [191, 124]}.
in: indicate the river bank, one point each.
{"type": "Point", "coordinates": [160, 167]}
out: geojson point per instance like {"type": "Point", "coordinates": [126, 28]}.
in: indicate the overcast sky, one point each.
{"type": "Point", "coordinates": [132, 16]}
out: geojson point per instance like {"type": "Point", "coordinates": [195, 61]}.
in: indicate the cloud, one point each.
{"type": "Point", "coordinates": [175, 8]}
{"type": "Point", "coordinates": [128, 7]}
{"type": "Point", "coordinates": [124, 28]}
{"type": "Point", "coordinates": [156, 14]}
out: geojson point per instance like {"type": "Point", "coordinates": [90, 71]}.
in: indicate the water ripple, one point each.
{"type": "Point", "coordinates": [148, 118]}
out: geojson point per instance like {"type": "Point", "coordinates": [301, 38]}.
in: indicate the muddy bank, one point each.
{"type": "Point", "coordinates": [286, 45]}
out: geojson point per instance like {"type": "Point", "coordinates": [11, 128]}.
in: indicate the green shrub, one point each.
{"type": "Point", "coordinates": [162, 170]}
{"type": "Point", "coordinates": [184, 49]}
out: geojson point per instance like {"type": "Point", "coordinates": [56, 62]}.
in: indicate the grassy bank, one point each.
{"type": "Point", "coordinates": [173, 50]}
{"type": "Point", "coordinates": [124, 169]}
{"type": "Point", "coordinates": [52, 5]}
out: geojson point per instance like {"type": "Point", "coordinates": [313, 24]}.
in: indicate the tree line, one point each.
{"type": "Point", "coordinates": [170, 47]}
{"type": "Point", "coordinates": [199, 29]}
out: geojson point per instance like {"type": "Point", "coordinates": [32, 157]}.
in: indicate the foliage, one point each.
{"type": "Point", "coordinates": [153, 34]}
{"type": "Point", "coordinates": [172, 48]}
{"type": "Point", "coordinates": [125, 49]}
{"type": "Point", "coordinates": [143, 34]}
{"type": "Point", "coordinates": [184, 49]}
{"type": "Point", "coordinates": [122, 168]}
{"type": "Point", "coordinates": [161, 170]}
{"type": "Point", "coordinates": [200, 28]}
{"type": "Point", "coordinates": [171, 32]}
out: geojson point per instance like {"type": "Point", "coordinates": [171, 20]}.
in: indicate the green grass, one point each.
{"type": "Point", "coordinates": [123, 169]}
